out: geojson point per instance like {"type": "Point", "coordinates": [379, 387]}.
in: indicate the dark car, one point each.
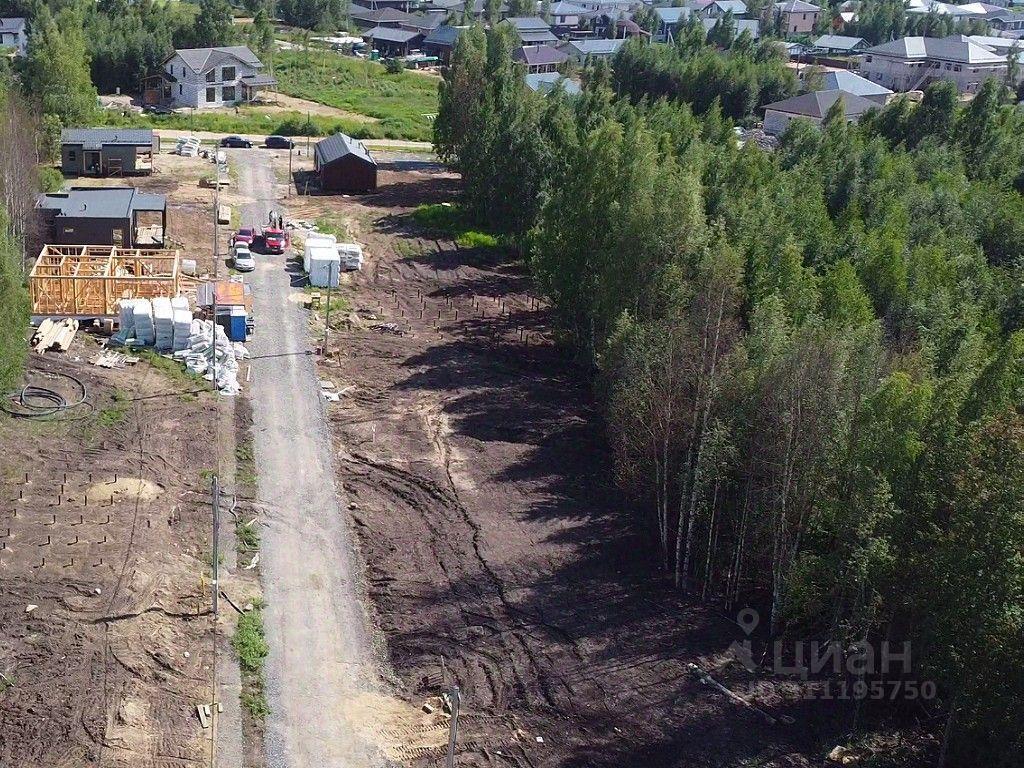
{"type": "Point", "coordinates": [278, 142]}
{"type": "Point", "coordinates": [235, 141]}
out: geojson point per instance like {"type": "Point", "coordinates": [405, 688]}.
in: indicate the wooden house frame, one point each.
{"type": "Point", "coordinates": [90, 280]}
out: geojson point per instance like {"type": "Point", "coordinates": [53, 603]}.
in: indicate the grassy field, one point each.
{"type": "Point", "coordinates": [404, 103]}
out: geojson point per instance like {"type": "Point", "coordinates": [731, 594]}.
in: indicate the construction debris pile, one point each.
{"type": "Point", "coordinates": [203, 355]}
{"type": "Point", "coordinates": [54, 334]}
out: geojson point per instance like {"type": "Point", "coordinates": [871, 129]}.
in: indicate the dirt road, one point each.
{"type": "Point", "coordinates": [320, 653]}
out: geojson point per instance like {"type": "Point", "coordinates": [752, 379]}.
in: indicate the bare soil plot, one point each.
{"type": "Point", "coordinates": [104, 528]}
{"type": "Point", "coordinates": [476, 468]}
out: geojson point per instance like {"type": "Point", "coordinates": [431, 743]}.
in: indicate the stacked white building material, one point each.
{"type": "Point", "coordinates": [182, 323]}
{"type": "Point", "coordinates": [142, 321]}
{"type": "Point", "coordinates": [204, 354]}
{"type": "Point", "coordinates": [163, 324]}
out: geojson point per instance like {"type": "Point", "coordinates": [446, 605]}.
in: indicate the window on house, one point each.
{"type": "Point", "coordinates": [957, 68]}
{"type": "Point", "coordinates": [211, 75]}
{"type": "Point", "coordinates": [227, 74]}
{"type": "Point", "coordinates": [181, 90]}
{"type": "Point", "coordinates": [211, 94]}
{"type": "Point", "coordinates": [72, 156]}
{"type": "Point", "coordinates": [117, 236]}
{"type": "Point", "coordinates": [227, 93]}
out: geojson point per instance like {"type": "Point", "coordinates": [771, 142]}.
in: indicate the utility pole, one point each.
{"type": "Point", "coordinates": [308, 119]}
{"type": "Point", "coordinates": [453, 726]}
{"type": "Point", "coordinates": [291, 147]}
{"type": "Point", "coordinates": [216, 542]}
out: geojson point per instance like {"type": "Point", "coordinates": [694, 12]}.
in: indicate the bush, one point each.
{"type": "Point", "coordinates": [50, 179]}
{"type": "Point", "coordinates": [393, 66]}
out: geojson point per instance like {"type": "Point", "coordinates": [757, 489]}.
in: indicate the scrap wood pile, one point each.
{"type": "Point", "coordinates": [54, 334]}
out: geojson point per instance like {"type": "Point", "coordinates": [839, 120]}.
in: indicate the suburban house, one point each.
{"type": "Point", "coordinates": [813, 107]}
{"type": "Point", "coordinates": [344, 165]}
{"type": "Point", "coordinates": [669, 19]}
{"type": "Point", "coordinates": [107, 151]}
{"type": "Point", "coordinates": [539, 58]}
{"type": "Point", "coordinates": [796, 17]}
{"type": "Point", "coordinates": [753, 26]}
{"type": "Point", "coordinates": [401, 5]}
{"type": "Point", "coordinates": [566, 16]}
{"type": "Point", "coordinates": [13, 35]}
{"type": "Point", "coordinates": [440, 42]}
{"type": "Point", "coordinates": [390, 41]}
{"type": "Point", "coordinates": [424, 22]}
{"type": "Point", "coordinates": [844, 80]}
{"type": "Point", "coordinates": [718, 8]}
{"type": "Point", "coordinates": [839, 45]}
{"type": "Point", "coordinates": [531, 30]}
{"type": "Point", "coordinates": [581, 50]}
{"type": "Point", "coordinates": [120, 216]}
{"type": "Point", "coordinates": [1005, 21]}
{"type": "Point", "coordinates": [213, 77]}
{"type": "Point", "coordinates": [368, 18]}
{"type": "Point", "coordinates": [911, 63]}
{"type": "Point", "coordinates": [547, 82]}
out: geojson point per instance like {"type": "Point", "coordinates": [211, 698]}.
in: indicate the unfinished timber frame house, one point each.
{"type": "Point", "coordinates": [87, 281]}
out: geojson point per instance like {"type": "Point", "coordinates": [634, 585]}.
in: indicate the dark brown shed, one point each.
{"type": "Point", "coordinates": [344, 165]}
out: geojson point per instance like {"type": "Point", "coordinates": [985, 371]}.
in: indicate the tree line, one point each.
{"type": "Point", "coordinates": [811, 361]}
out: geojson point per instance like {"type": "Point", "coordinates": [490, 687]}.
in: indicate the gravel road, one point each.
{"type": "Point", "coordinates": [320, 646]}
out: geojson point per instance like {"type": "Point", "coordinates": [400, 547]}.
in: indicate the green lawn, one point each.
{"type": "Point", "coordinates": [400, 102]}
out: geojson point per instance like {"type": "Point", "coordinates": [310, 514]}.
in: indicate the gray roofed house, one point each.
{"type": "Point", "coordinates": [753, 26]}
{"type": "Point", "coordinates": [547, 82]}
{"type": "Point", "coordinates": [813, 107]}
{"type": "Point", "coordinates": [912, 63]}
{"type": "Point", "coordinates": [367, 18]}
{"type": "Point", "coordinates": [539, 58]}
{"type": "Point", "coordinates": [566, 16]}
{"type": "Point", "coordinates": [843, 80]}
{"type": "Point", "coordinates": [344, 165]}
{"type": "Point", "coordinates": [107, 151]}
{"type": "Point", "coordinates": [102, 216]}
{"type": "Point", "coordinates": [841, 44]}
{"type": "Point", "coordinates": [390, 41]}
{"type": "Point", "coordinates": [796, 17]}
{"type": "Point", "coordinates": [718, 8]}
{"type": "Point", "coordinates": [531, 30]}
{"type": "Point", "coordinates": [212, 77]}
{"type": "Point", "coordinates": [13, 34]}
{"type": "Point", "coordinates": [669, 18]}
{"type": "Point", "coordinates": [440, 42]}
{"type": "Point", "coordinates": [579, 50]}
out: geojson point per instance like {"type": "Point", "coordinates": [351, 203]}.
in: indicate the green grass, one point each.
{"type": "Point", "coordinates": [250, 646]}
{"type": "Point", "coordinates": [248, 536]}
{"type": "Point", "coordinates": [401, 102]}
{"type": "Point", "coordinates": [245, 465]}
{"type": "Point", "coordinates": [451, 221]}
{"type": "Point", "coordinates": [176, 371]}
{"type": "Point", "coordinates": [332, 225]}
{"type": "Point", "coordinates": [116, 413]}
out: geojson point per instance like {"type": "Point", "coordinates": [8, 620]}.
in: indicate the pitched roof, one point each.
{"type": "Point", "coordinates": [101, 202]}
{"type": "Point", "coordinates": [392, 34]}
{"type": "Point", "coordinates": [94, 138]}
{"type": "Point", "coordinates": [957, 48]}
{"type": "Point", "coordinates": [738, 7]}
{"type": "Point", "coordinates": [563, 8]}
{"type": "Point", "coordinates": [445, 35]}
{"type": "Point", "coordinates": [818, 103]}
{"type": "Point", "coordinates": [796, 6]}
{"type": "Point", "coordinates": [672, 14]}
{"type": "Point", "coordinates": [545, 82]}
{"type": "Point", "coordinates": [839, 42]}
{"type": "Point", "coordinates": [843, 80]}
{"type": "Point", "coordinates": [594, 47]}
{"type": "Point", "coordinates": [379, 15]}
{"type": "Point", "coordinates": [753, 26]}
{"type": "Point", "coordinates": [12, 25]}
{"type": "Point", "coordinates": [201, 59]}
{"type": "Point", "coordinates": [538, 55]}
{"type": "Point", "coordinates": [531, 23]}
{"type": "Point", "coordinates": [339, 145]}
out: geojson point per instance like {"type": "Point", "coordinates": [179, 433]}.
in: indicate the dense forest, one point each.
{"type": "Point", "coordinates": [811, 361]}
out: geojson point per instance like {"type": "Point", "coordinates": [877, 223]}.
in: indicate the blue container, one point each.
{"type": "Point", "coordinates": [236, 330]}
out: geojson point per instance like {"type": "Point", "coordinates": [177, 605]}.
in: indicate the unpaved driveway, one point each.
{"type": "Point", "coordinates": [320, 664]}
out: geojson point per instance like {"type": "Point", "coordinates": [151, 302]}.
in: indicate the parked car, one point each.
{"type": "Point", "coordinates": [235, 141]}
{"type": "Point", "coordinates": [243, 236]}
{"type": "Point", "coordinates": [242, 258]}
{"type": "Point", "coordinates": [275, 240]}
{"type": "Point", "coordinates": [278, 142]}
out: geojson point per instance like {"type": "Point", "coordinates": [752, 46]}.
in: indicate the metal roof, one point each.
{"type": "Point", "coordinates": [101, 202]}
{"type": "Point", "coordinates": [538, 55]}
{"type": "Point", "coordinates": [753, 26]}
{"type": "Point", "coordinates": [840, 42]}
{"type": "Point", "coordinates": [201, 59]}
{"type": "Point", "coordinates": [392, 34]}
{"type": "Point", "coordinates": [95, 138]}
{"type": "Point", "coordinates": [672, 14]}
{"type": "Point", "coordinates": [958, 48]}
{"type": "Point", "coordinates": [339, 145]}
{"type": "Point", "coordinates": [545, 82]}
{"type": "Point", "coordinates": [796, 6]}
{"type": "Point", "coordinates": [525, 23]}
{"type": "Point", "coordinates": [379, 15]}
{"type": "Point", "coordinates": [258, 80]}
{"type": "Point", "coordinates": [443, 35]}
{"type": "Point", "coordinates": [818, 103]}
{"type": "Point", "coordinates": [843, 80]}
{"type": "Point", "coordinates": [563, 8]}
{"type": "Point", "coordinates": [12, 25]}
{"type": "Point", "coordinates": [594, 47]}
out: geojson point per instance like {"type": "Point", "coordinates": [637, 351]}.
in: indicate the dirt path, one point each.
{"type": "Point", "coordinates": [497, 558]}
{"type": "Point", "coordinates": [320, 656]}
{"type": "Point", "coordinates": [168, 136]}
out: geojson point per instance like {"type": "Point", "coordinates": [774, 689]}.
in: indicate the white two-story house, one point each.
{"type": "Point", "coordinates": [13, 35]}
{"type": "Point", "coordinates": [213, 77]}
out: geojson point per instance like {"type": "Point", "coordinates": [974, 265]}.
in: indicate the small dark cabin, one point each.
{"type": "Point", "coordinates": [344, 165]}
{"type": "Point", "coordinates": [107, 151]}
{"type": "Point", "coordinates": [120, 216]}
